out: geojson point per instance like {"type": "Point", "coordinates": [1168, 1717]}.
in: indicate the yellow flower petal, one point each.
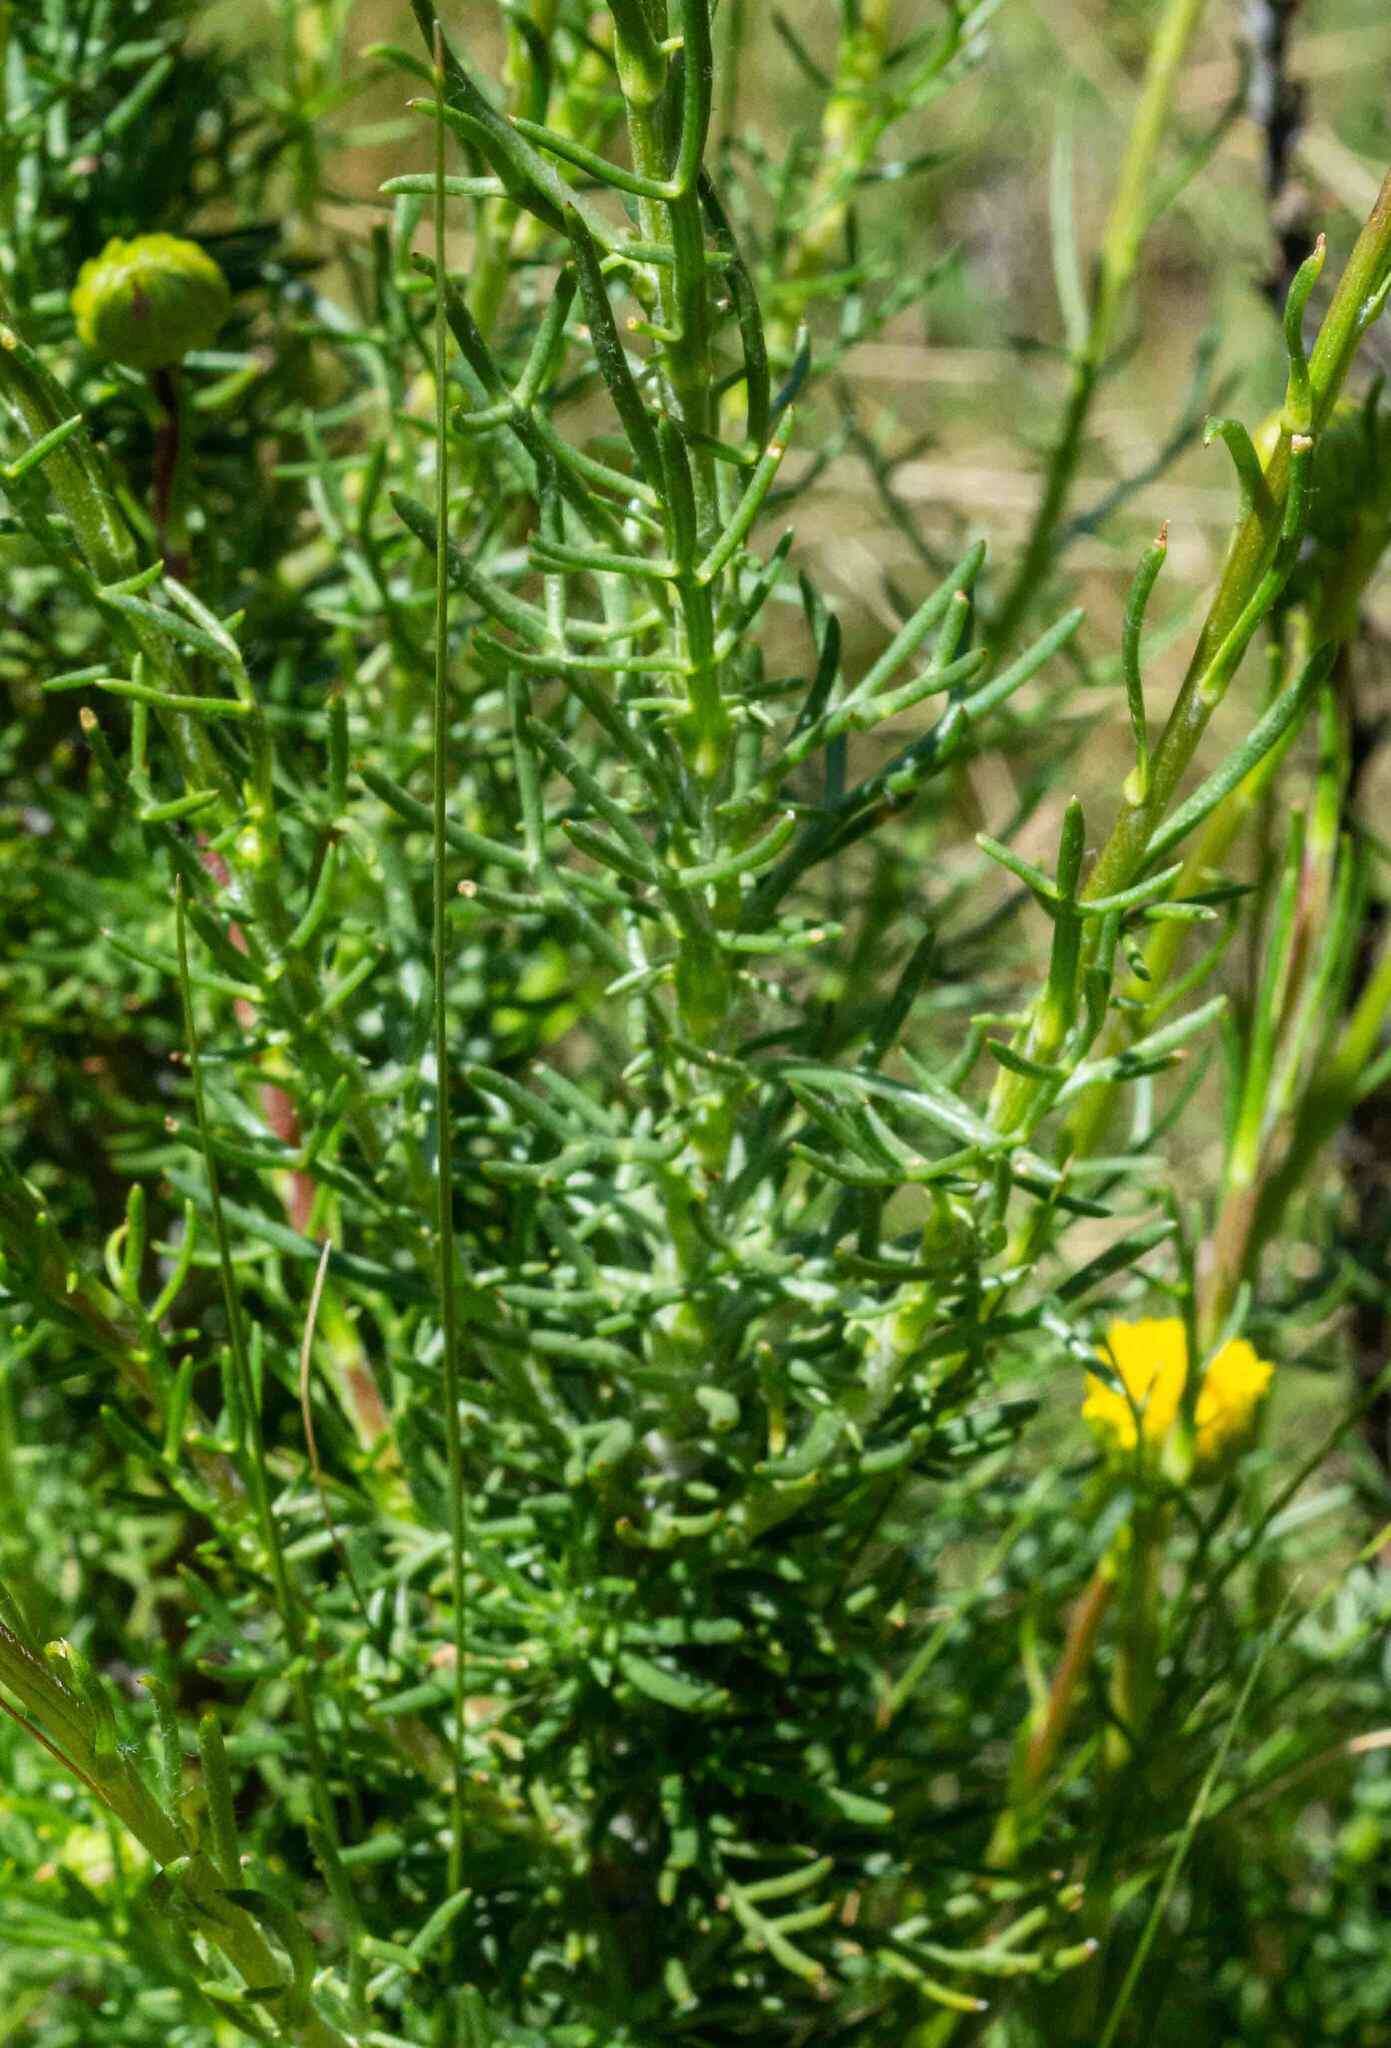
{"type": "Point", "coordinates": [1150, 1358]}
{"type": "Point", "coordinates": [1231, 1392]}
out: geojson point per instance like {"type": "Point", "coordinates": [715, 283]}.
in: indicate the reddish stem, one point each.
{"type": "Point", "coordinates": [168, 447]}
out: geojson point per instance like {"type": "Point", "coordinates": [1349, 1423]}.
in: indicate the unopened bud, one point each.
{"type": "Point", "coordinates": [149, 301]}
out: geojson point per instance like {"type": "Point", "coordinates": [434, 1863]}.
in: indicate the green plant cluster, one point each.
{"type": "Point", "coordinates": [547, 1175]}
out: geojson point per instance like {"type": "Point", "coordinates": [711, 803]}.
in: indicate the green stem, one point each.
{"type": "Point", "coordinates": [1127, 224]}
{"type": "Point", "coordinates": [15, 1549]}
{"type": "Point", "coordinates": [1044, 1737]}
{"type": "Point", "coordinates": [1086, 1125]}
{"type": "Point", "coordinates": [492, 267]}
{"type": "Point", "coordinates": [851, 129]}
{"type": "Point", "coordinates": [683, 293]}
{"type": "Point", "coordinates": [733, 26]}
{"type": "Point", "coordinates": [75, 472]}
{"type": "Point", "coordinates": [62, 1724]}
{"type": "Point", "coordinates": [1135, 1680]}
{"type": "Point", "coordinates": [1253, 549]}
{"type": "Point", "coordinates": [683, 297]}
{"type": "Point", "coordinates": [1247, 584]}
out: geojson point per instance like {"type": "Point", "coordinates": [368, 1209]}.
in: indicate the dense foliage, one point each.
{"type": "Point", "coordinates": [559, 1200]}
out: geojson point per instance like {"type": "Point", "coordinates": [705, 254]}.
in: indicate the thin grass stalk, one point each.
{"type": "Point", "coordinates": [444, 1141]}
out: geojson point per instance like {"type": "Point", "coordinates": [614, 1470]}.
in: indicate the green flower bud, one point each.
{"type": "Point", "coordinates": [148, 302]}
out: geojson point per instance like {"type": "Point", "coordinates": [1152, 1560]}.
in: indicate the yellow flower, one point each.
{"type": "Point", "coordinates": [1151, 1359]}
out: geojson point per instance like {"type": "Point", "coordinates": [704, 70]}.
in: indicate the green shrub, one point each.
{"type": "Point", "coordinates": [548, 1183]}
